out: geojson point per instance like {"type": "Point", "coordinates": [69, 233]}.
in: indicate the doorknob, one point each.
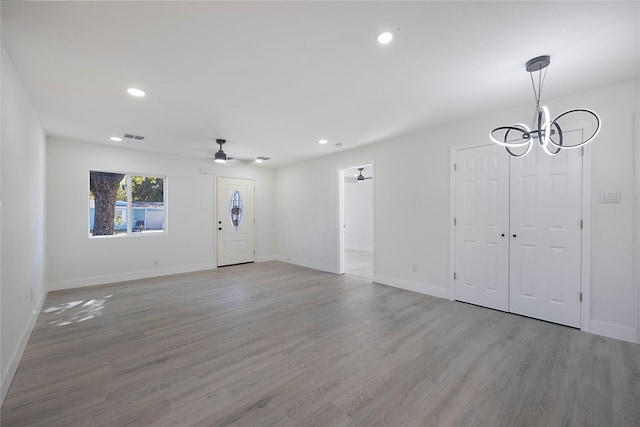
{"type": "Point", "coordinates": [220, 228]}
{"type": "Point", "coordinates": [502, 234]}
{"type": "Point", "coordinates": [514, 235]}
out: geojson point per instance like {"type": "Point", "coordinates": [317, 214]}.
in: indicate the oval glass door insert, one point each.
{"type": "Point", "coordinates": [235, 210]}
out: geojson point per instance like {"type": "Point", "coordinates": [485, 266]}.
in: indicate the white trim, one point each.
{"type": "Point", "coordinates": [122, 277]}
{"type": "Point", "coordinates": [341, 221]}
{"type": "Point", "coordinates": [422, 288]}
{"type": "Point", "coordinates": [452, 228]}
{"type": "Point", "coordinates": [267, 258]}
{"type": "Point", "coordinates": [309, 264]}
{"type": "Point", "coordinates": [636, 216]}
{"type": "Point", "coordinates": [585, 286]}
{"type": "Point", "coordinates": [612, 330]}
{"type": "Point", "coordinates": [12, 366]}
{"type": "Point", "coordinates": [359, 248]}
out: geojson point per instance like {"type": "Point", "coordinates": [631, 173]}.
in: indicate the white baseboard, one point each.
{"type": "Point", "coordinates": [122, 277]}
{"type": "Point", "coordinates": [309, 264]}
{"type": "Point", "coordinates": [359, 248]}
{"type": "Point", "coordinates": [611, 330]}
{"type": "Point", "coordinates": [422, 288]}
{"type": "Point", "coordinates": [267, 258]}
{"type": "Point", "coordinates": [12, 366]}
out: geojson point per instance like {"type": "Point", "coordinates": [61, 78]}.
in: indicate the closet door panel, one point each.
{"type": "Point", "coordinates": [482, 209]}
{"type": "Point", "coordinates": [545, 270]}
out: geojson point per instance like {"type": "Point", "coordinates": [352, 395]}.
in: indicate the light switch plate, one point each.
{"type": "Point", "coordinates": [610, 196]}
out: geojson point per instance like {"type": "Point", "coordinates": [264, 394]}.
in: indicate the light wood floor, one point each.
{"type": "Point", "coordinates": [277, 344]}
{"type": "Point", "coordinates": [358, 263]}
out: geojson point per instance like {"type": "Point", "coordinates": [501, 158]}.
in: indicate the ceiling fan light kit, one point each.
{"type": "Point", "coordinates": [220, 156]}
{"type": "Point", "coordinates": [361, 177]}
{"type": "Point", "coordinates": [518, 138]}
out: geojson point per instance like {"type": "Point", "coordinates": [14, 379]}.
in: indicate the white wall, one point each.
{"type": "Point", "coordinates": [22, 227]}
{"type": "Point", "coordinates": [358, 215]}
{"type": "Point", "coordinates": [74, 259]}
{"type": "Point", "coordinates": [413, 170]}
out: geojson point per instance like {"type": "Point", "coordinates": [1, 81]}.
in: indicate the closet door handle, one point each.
{"type": "Point", "coordinates": [514, 235]}
{"type": "Point", "coordinates": [502, 234]}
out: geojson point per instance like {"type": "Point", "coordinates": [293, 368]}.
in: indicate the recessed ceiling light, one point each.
{"type": "Point", "coordinates": [115, 138]}
{"type": "Point", "coordinates": [384, 38]}
{"type": "Point", "coordinates": [322, 141]}
{"type": "Point", "coordinates": [258, 160]}
{"type": "Point", "coordinates": [136, 92]}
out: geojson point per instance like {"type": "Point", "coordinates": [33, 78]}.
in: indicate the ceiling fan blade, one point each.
{"type": "Point", "coordinates": [237, 159]}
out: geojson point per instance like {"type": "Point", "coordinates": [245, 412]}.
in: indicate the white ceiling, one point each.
{"type": "Point", "coordinates": [274, 77]}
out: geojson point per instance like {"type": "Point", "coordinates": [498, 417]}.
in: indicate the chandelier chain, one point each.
{"type": "Point", "coordinates": [538, 93]}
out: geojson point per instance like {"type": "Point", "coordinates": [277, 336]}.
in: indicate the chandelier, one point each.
{"type": "Point", "coordinates": [518, 139]}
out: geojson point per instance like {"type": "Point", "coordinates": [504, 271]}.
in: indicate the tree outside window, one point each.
{"type": "Point", "coordinates": [124, 204]}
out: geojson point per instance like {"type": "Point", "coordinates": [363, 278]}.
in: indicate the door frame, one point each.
{"type": "Point", "coordinates": [341, 175]}
{"type": "Point", "coordinates": [216, 219]}
{"type": "Point", "coordinates": [636, 208]}
{"type": "Point", "coordinates": [585, 308]}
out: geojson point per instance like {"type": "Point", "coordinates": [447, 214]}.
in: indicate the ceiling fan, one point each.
{"type": "Point", "coordinates": [221, 156]}
{"type": "Point", "coordinates": [360, 177]}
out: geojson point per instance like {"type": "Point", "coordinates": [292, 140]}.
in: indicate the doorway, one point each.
{"type": "Point", "coordinates": [357, 221]}
{"type": "Point", "coordinates": [235, 221]}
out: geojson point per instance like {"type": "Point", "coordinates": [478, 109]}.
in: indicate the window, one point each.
{"type": "Point", "coordinates": [126, 204]}
{"type": "Point", "coordinates": [235, 210]}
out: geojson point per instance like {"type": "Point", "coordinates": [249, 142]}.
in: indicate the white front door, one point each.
{"type": "Point", "coordinates": [482, 220]}
{"type": "Point", "coordinates": [546, 237]}
{"type": "Point", "coordinates": [235, 221]}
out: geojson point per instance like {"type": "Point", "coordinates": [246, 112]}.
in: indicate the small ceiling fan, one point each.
{"type": "Point", "coordinates": [360, 177]}
{"type": "Point", "coordinates": [221, 156]}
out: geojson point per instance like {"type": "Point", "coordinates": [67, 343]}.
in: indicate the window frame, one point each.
{"type": "Point", "coordinates": [128, 209]}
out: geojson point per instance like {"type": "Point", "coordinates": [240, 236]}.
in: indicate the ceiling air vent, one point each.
{"type": "Point", "coordinates": [131, 136]}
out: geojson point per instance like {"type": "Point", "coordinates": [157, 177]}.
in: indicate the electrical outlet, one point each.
{"type": "Point", "coordinates": [155, 263]}
{"type": "Point", "coordinates": [302, 251]}
{"type": "Point", "coordinates": [31, 294]}
{"type": "Point", "coordinates": [414, 268]}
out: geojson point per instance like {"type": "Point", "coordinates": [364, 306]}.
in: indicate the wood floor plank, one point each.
{"type": "Point", "coordinates": [273, 344]}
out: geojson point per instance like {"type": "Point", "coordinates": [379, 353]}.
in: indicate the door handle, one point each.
{"type": "Point", "coordinates": [502, 234]}
{"type": "Point", "coordinates": [514, 235]}
{"type": "Point", "coordinates": [219, 228]}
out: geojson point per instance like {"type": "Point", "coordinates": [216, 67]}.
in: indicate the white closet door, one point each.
{"type": "Point", "coordinates": [482, 218]}
{"type": "Point", "coordinates": [545, 234]}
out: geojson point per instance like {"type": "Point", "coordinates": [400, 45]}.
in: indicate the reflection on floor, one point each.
{"type": "Point", "coordinates": [358, 263]}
